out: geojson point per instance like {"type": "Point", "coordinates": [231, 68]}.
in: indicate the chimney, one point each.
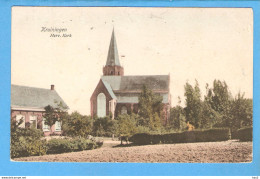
{"type": "Point", "coordinates": [52, 87]}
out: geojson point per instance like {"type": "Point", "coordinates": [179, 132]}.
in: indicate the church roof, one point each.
{"type": "Point", "coordinates": [109, 89]}
{"type": "Point", "coordinates": [112, 57]}
{"type": "Point", "coordinates": [31, 97]}
{"type": "Point", "coordinates": [135, 83]}
{"type": "Point", "coordinates": [126, 89]}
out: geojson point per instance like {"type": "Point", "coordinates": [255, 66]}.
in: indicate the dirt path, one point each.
{"type": "Point", "coordinates": [209, 152]}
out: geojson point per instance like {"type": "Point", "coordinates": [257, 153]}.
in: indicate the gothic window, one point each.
{"type": "Point", "coordinates": [118, 73]}
{"type": "Point", "coordinates": [111, 73]}
{"type": "Point", "coordinates": [101, 105]}
{"type": "Point", "coordinates": [123, 110]}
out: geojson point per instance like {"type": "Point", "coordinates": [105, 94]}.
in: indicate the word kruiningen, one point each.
{"type": "Point", "coordinates": [53, 29]}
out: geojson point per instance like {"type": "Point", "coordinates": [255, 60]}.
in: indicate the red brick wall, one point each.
{"type": "Point", "coordinates": [39, 115]}
{"type": "Point", "coordinates": [93, 100]}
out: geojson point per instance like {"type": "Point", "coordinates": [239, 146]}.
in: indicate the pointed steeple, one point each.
{"type": "Point", "coordinates": [112, 57]}
{"type": "Point", "coordinates": [113, 67]}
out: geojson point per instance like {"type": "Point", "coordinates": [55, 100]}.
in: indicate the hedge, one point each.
{"type": "Point", "coordinates": [245, 134]}
{"type": "Point", "coordinates": [210, 135]}
{"type": "Point", "coordinates": [56, 146]}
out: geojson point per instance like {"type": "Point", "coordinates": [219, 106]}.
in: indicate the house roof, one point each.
{"type": "Point", "coordinates": [112, 57]}
{"type": "Point", "coordinates": [135, 83]}
{"type": "Point", "coordinates": [31, 97]}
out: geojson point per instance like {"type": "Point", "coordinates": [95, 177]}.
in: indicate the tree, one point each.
{"type": "Point", "coordinates": [177, 117]}
{"type": "Point", "coordinates": [241, 112]}
{"type": "Point", "coordinates": [77, 125]}
{"type": "Point", "coordinates": [193, 104]}
{"type": "Point", "coordinates": [54, 114]}
{"type": "Point", "coordinates": [127, 125]}
{"type": "Point", "coordinates": [149, 103]}
{"type": "Point", "coordinates": [104, 126]}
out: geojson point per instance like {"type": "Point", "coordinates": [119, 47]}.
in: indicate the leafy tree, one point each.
{"type": "Point", "coordinates": [193, 104]}
{"type": "Point", "coordinates": [127, 125]}
{"type": "Point", "coordinates": [149, 103]}
{"type": "Point", "coordinates": [104, 126]}
{"type": "Point", "coordinates": [241, 112]}
{"type": "Point", "coordinates": [53, 114]}
{"type": "Point", "coordinates": [177, 118]}
{"type": "Point", "coordinates": [77, 125]}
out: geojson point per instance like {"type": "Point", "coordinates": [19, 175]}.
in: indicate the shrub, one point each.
{"type": "Point", "coordinates": [245, 134]}
{"type": "Point", "coordinates": [26, 142]}
{"type": "Point", "coordinates": [56, 146]}
{"type": "Point", "coordinates": [141, 139]}
{"type": "Point", "coordinates": [210, 135]}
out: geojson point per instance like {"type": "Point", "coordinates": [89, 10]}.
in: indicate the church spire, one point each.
{"type": "Point", "coordinates": [112, 57]}
{"type": "Point", "coordinates": [113, 67]}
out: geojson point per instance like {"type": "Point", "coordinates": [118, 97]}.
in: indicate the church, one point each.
{"type": "Point", "coordinates": [118, 94]}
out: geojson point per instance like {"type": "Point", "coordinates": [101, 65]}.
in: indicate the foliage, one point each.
{"type": "Point", "coordinates": [127, 125]}
{"type": "Point", "coordinates": [77, 125]}
{"type": "Point", "coordinates": [241, 112]}
{"type": "Point", "coordinates": [53, 114]}
{"type": "Point", "coordinates": [177, 120]}
{"type": "Point", "coordinates": [193, 104]}
{"type": "Point", "coordinates": [245, 134]}
{"type": "Point", "coordinates": [26, 141]}
{"type": "Point", "coordinates": [56, 146]}
{"type": "Point", "coordinates": [183, 137]}
{"type": "Point", "coordinates": [104, 126]}
{"type": "Point", "coordinates": [149, 103]}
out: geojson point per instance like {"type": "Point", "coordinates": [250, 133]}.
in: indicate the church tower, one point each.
{"type": "Point", "coordinates": [113, 67]}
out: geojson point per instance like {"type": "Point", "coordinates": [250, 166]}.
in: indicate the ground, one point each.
{"type": "Point", "coordinates": [209, 152]}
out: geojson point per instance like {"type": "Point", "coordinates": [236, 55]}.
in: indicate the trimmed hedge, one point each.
{"type": "Point", "coordinates": [245, 134]}
{"type": "Point", "coordinates": [210, 135]}
{"type": "Point", "coordinates": [56, 146]}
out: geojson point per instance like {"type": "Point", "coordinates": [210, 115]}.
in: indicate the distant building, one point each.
{"type": "Point", "coordinates": [28, 103]}
{"type": "Point", "coordinates": [119, 94]}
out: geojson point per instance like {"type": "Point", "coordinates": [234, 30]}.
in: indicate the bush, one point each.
{"type": "Point", "coordinates": [56, 146]}
{"type": "Point", "coordinates": [210, 135]}
{"type": "Point", "coordinates": [26, 142]}
{"type": "Point", "coordinates": [245, 134]}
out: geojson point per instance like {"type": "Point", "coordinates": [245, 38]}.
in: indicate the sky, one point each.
{"type": "Point", "coordinates": [187, 43]}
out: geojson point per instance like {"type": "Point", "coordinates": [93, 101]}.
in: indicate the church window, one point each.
{"type": "Point", "coordinates": [101, 105]}
{"type": "Point", "coordinates": [123, 110]}
{"type": "Point", "coordinates": [118, 73]}
{"type": "Point", "coordinates": [111, 72]}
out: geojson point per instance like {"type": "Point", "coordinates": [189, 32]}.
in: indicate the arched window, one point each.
{"type": "Point", "coordinates": [101, 105]}
{"type": "Point", "coordinates": [118, 73]}
{"type": "Point", "coordinates": [111, 73]}
{"type": "Point", "coordinates": [123, 110]}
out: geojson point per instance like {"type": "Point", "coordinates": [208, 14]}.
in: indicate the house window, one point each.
{"type": "Point", "coordinates": [57, 126]}
{"type": "Point", "coordinates": [123, 110]}
{"type": "Point", "coordinates": [44, 126]}
{"type": "Point", "coordinates": [18, 118]}
{"type": "Point", "coordinates": [101, 105]}
{"type": "Point", "coordinates": [33, 122]}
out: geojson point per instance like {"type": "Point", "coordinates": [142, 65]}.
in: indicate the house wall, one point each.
{"type": "Point", "coordinates": [39, 115]}
{"type": "Point", "coordinates": [93, 100]}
